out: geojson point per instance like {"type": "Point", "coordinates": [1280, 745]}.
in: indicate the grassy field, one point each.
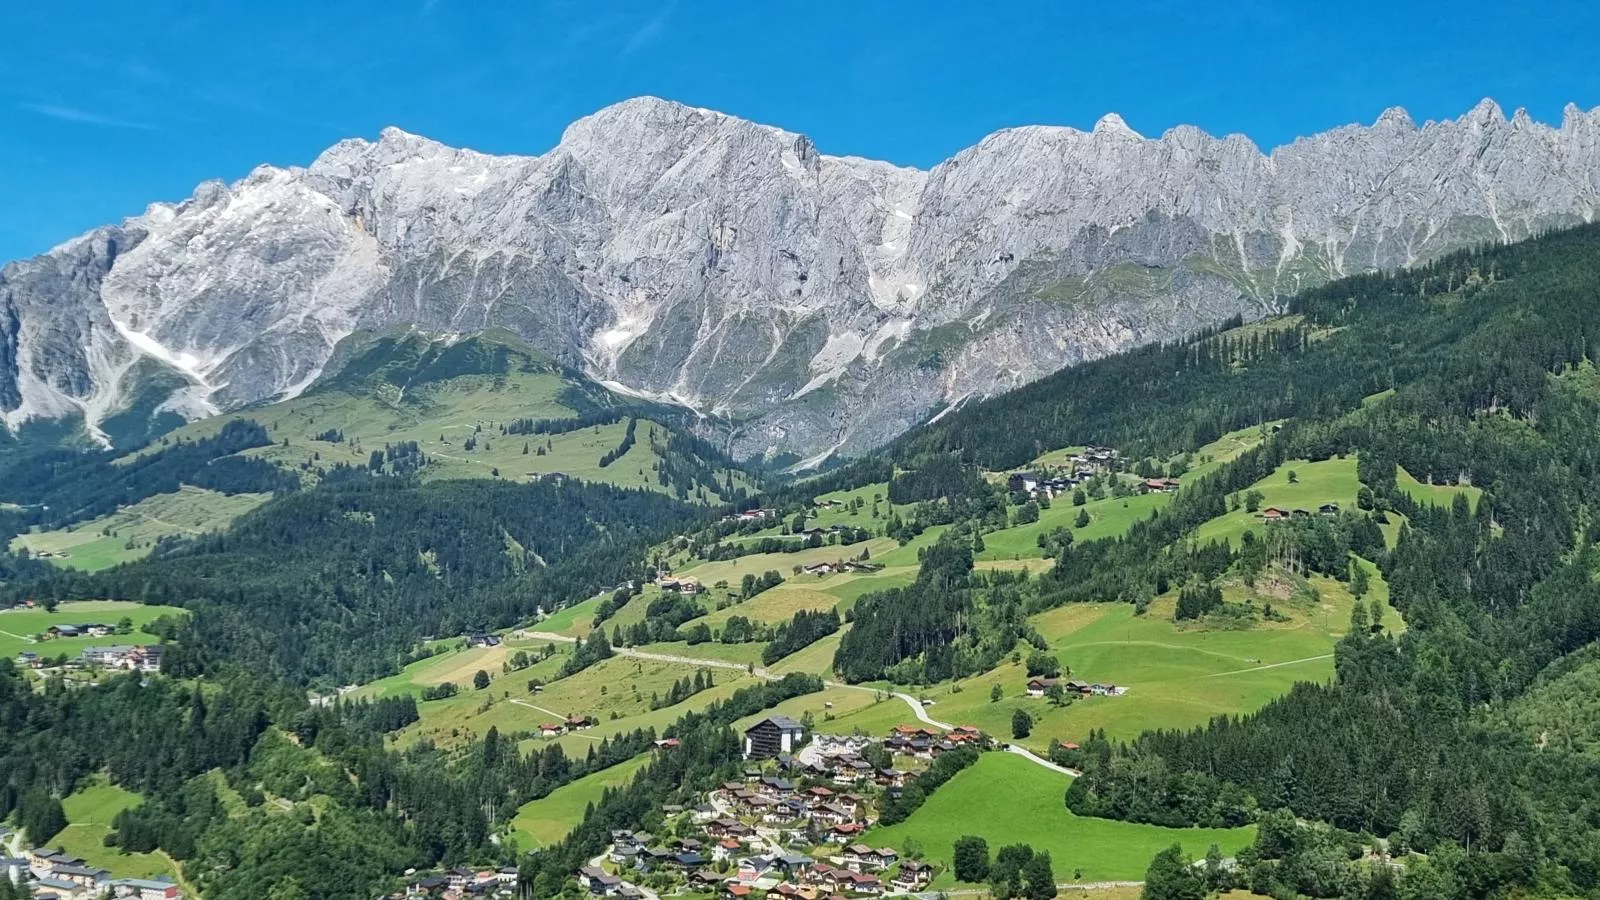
{"type": "Point", "coordinates": [1008, 800]}
{"type": "Point", "coordinates": [90, 811]}
{"type": "Point", "coordinates": [733, 570]}
{"type": "Point", "coordinates": [617, 692]}
{"type": "Point", "coordinates": [458, 664]}
{"type": "Point", "coordinates": [547, 820]}
{"type": "Point", "coordinates": [130, 532]}
{"type": "Point", "coordinates": [1436, 494]}
{"type": "Point", "coordinates": [1176, 677]}
{"type": "Point", "coordinates": [440, 416]}
{"type": "Point", "coordinates": [1316, 483]}
{"type": "Point", "coordinates": [18, 628]}
{"type": "Point", "coordinates": [1109, 517]}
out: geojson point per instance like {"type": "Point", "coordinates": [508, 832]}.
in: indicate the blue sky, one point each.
{"type": "Point", "coordinates": [105, 107]}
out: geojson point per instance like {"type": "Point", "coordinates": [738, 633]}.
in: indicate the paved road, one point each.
{"type": "Point", "coordinates": [916, 705]}
{"type": "Point", "coordinates": [1038, 760]}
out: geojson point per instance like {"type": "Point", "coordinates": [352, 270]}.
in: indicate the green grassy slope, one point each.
{"type": "Point", "coordinates": [132, 531]}
{"type": "Point", "coordinates": [19, 628]}
{"type": "Point", "coordinates": [1008, 800]}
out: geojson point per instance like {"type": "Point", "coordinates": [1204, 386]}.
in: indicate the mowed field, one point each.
{"type": "Point", "coordinates": [1110, 517]}
{"type": "Point", "coordinates": [1177, 677]}
{"type": "Point", "coordinates": [90, 811]}
{"type": "Point", "coordinates": [440, 417]}
{"type": "Point", "coordinates": [1316, 483]}
{"type": "Point", "coordinates": [547, 820]}
{"type": "Point", "coordinates": [1436, 494]}
{"type": "Point", "coordinates": [19, 628]}
{"type": "Point", "coordinates": [131, 532]}
{"type": "Point", "coordinates": [1005, 799]}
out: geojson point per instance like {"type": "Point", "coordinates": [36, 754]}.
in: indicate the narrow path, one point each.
{"type": "Point", "coordinates": [1278, 665]}
{"type": "Point", "coordinates": [1038, 760]}
{"type": "Point", "coordinates": [917, 708]}
{"type": "Point", "coordinates": [189, 890]}
{"type": "Point", "coordinates": [548, 712]}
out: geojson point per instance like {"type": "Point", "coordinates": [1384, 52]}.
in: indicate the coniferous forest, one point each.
{"type": "Point", "coordinates": [1465, 739]}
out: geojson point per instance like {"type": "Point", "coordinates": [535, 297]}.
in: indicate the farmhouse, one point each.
{"type": "Point", "coordinates": [771, 736]}
{"type": "Point", "coordinates": [1038, 686]}
{"type": "Point", "coordinates": [1274, 514]}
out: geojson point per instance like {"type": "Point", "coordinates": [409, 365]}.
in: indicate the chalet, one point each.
{"type": "Point", "coordinates": [705, 878]}
{"type": "Point", "coordinates": [1037, 687]}
{"type": "Point", "coordinates": [1022, 482]}
{"type": "Point", "coordinates": [577, 723]}
{"type": "Point", "coordinates": [846, 832]}
{"type": "Point", "coordinates": [793, 864]}
{"type": "Point", "coordinates": [64, 631]}
{"type": "Point", "coordinates": [819, 794]}
{"type": "Point", "coordinates": [83, 876]}
{"type": "Point", "coordinates": [914, 875]}
{"type": "Point", "coordinates": [830, 814]}
{"type": "Point", "coordinates": [597, 882]}
{"type": "Point", "coordinates": [733, 890]}
{"type": "Point", "coordinates": [667, 744]}
{"type": "Point", "coordinates": [725, 850]}
{"type": "Point", "coordinates": [1274, 514]}
{"type": "Point", "coordinates": [771, 736]}
{"type": "Point", "coordinates": [679, 585]}
{"type": "Point", "coordinates": [776, 788]}
{"type": "Point", "coordinates": [483, 639]}
{"type": "Point", "coordinates": [27, 659]}
{"type": "Point", "coordinates": [858, 883]}
{"type": "Point", "coordinates": [890, 778]}
{"type": "Point", "coordinates": [1329, 509]}
{"type": "Point", "coordinates": [1161, 485]}
{"type": "Point", "coordinates": [1300, 513]}
{"type": "Point", "coordinates": [818, 569]}
{"type": "Point", "coordinates": [550, 729]}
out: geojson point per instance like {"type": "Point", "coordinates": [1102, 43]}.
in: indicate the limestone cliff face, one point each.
{"type": "Point", "coordinates": [819, 303]}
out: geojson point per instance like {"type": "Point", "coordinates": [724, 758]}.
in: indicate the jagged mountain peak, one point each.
{"type": "Point", "coordinates": [819, 302]}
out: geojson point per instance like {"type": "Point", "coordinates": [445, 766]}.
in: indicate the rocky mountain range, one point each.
{"type": "Point", "coordinates": [814, 304]}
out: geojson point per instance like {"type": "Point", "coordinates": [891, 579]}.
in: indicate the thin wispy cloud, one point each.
{"type": "Point", "coordinates": [651, 30]}
{"type": "Point", "coordinates": [83, 116]}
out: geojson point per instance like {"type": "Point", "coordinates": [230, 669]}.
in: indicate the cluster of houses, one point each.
{"type": "Point", "coordinates": [1040, 687]}
{"type": "Point", "coordinates": [752, 515]}
{"type": "Point", "coordinates": [1081, 467]}
{"type": "Point", "coordinates": [91, 629]}
{"type": "Point", "coordinates": [817, 796]}
{"type": "Point", "coordinates": [848, 565]}
{"type": "Point", "coordinates": [566, 726]}
{"type": "Point", "coordinates": [55, 875]}
{"type": "Point", "coordinates": [922, 742]}
{"type": "Point", "coordinates": [461, 883]}
{"type": "Point", "coordinates": [117, 656]}
{"type": "Point", "coordinates": [689, 586]}
{"type": "Point", "coordinates": [1277, 514]}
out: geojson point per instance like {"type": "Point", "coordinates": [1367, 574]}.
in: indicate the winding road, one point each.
{"type": "Point", "coordinates": [916, 705]}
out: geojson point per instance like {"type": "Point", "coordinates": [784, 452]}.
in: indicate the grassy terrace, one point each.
{"type": "Point", "coordinates": [18, 628]}
{"type": "Point", "coordinates": [1008, 800]}
{"type": "Point", "coordinates": [131, 532]}
{"type": "Point", "coordinates": [1177, 676]}
{"type": "Point", "coordinates": [547, 820]}
{"type": "Point", "coordinates": [90, 811]}
{"type": "Point", "coordinates": [1315, 483]}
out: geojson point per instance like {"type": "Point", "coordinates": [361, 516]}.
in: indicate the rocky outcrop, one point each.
{"type": "Point", "coordinates": [819, 303]}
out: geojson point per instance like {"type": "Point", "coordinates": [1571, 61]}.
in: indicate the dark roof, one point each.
{"type": "Point", "coordinates": [783, 722]}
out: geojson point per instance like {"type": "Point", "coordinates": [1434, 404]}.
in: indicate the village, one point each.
{"type": "Point", "coordinates": [793, 826]}
{"type": "Point", "coordinates": [124, 657]}
{"type": "Point", "coordinates": [54, 875]}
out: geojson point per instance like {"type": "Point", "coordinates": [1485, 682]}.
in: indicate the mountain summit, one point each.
{"type": "Point", "coordinates": [821, 304]}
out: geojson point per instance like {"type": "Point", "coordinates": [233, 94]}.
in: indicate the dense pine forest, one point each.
{"type": "Point", "coordinates": [408, 561]}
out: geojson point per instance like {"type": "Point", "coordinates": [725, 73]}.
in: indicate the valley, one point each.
{"type": "Point", "coordinates": [1281, 594]}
